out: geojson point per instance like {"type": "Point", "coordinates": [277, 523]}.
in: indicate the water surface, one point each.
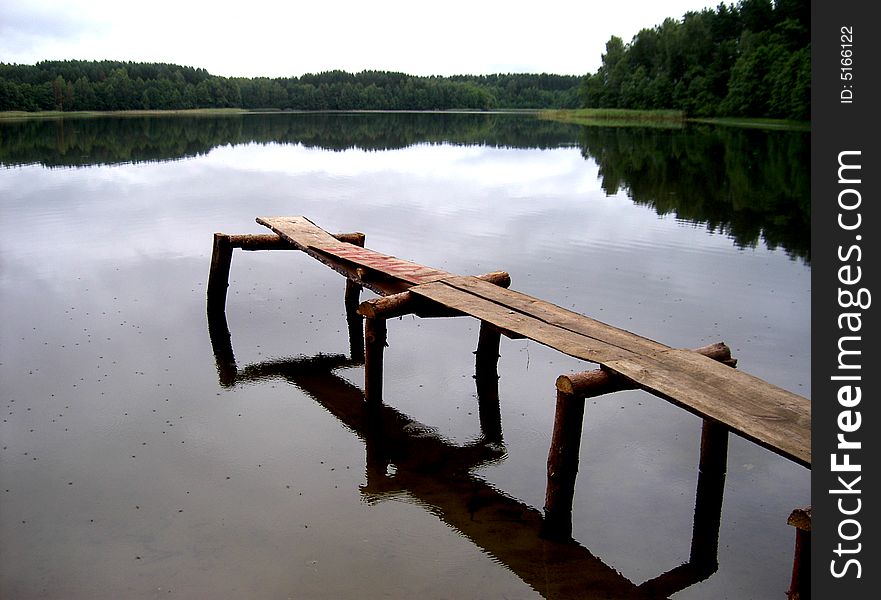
{"type": "Point", "coordinates": [132, 467]}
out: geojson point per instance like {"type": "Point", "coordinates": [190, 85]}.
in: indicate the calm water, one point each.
{"type": "Point", "coordinates": [133, 467]}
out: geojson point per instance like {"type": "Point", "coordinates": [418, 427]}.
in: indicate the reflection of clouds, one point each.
{"type": "Point", "coordinates": [533, 172]}
{"type": "Point", "coordinates": [174, 207]}
{"type": "Point", "coordinates": [538, 214]}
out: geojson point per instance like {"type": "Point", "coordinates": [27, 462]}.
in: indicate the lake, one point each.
{"type": "Point", "coordinates": [142, 457]}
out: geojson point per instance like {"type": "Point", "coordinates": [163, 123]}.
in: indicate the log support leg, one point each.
{"type": "Point", "coordinates": [352, 300]}
{"type": "Point", "coordinates": [221, 257]}
{"type": "Point", "coordinates": [374, 346]}
{"type": "Point", "coordinates": [487, 353]}
{"type": "Point", "coordinates": [353, 320]}
{"type": "Point", "coordinates": [703, 559]}
{"type": "Point", "coordinates": [712, 469]}
{"type": "Point", "coordinates": [218, 276]}
{"type": "Point", "coordinates": [563, 465]}
{"type": "Point", "coordinates": [486, 376]}
{"type": "Point", "coordinates": [572, 390]}
{"type": "Point", "coordinates": [221, 344]}
{"type": "Point", "coordinates": [378, 310]}
{"type": "Point", "coordinates": [800, 585]}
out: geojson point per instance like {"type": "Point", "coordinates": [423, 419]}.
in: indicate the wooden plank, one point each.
{"type": "Point", "coordinates": [300, 231]}
{"type": "Point", "coordinates": [768, 415]}
{"type": "Point", "coordinates": [764, 413]}
{"type": "Point", "coordinates": [315, 241]}
{"type": "Point", "coordinates": [564, 340]}
{"type": "Point", "coordinates": [558, 316]}
{"type": "Point", "coordinates": [304, 235]}
{"type": "Point", "coordinates": [387, 265]}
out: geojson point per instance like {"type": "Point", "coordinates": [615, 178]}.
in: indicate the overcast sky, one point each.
{"type": "Point", "coordinates": [254, 38]}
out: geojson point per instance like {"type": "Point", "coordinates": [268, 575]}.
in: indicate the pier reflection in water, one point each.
{"type": "Point", "coordinates": [405, 458]}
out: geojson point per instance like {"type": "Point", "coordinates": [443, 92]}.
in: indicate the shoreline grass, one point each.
{"type": "Point", "coordinates": [615, 117]}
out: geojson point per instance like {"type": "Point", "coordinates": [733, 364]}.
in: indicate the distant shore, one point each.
{"type": "Point", "coordinates": [52, 114]}
{"type": "Point", "coordinates": [21, 114]}
{"type": "Point", "coordinates": [578, 116]}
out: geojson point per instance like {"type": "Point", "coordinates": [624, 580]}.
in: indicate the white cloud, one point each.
{"type": "Point", "coordinates": [280, 39]}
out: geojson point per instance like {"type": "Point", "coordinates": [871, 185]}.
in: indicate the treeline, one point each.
{"type": "Point", "coordinates": [75, 142]}
{"type": "Point", "coordinates": [751, 59]}
{"type": "Point", "coordinates": [113, 85]}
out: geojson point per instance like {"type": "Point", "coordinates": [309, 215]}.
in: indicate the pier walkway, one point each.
{"type": "Point", "coordinates": [751, 407]}
{"type": "Point", "coordinates": [701, 381]}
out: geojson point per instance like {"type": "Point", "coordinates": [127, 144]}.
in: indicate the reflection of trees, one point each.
{"type": "Point", "coordinates": [83, 142]}
{"type": "Point", "coordinates": [750, 184]}
{"type": "Point", "coordinates": [747, 183]}
{"type": "Point", "coordinates": [95, 141]}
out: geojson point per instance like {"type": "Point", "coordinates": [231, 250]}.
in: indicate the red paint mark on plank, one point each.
{"type": "Point", "coordinates": [384, 263]}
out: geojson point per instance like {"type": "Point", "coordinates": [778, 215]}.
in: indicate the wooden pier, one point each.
{"type": "Point", "coordinates": [701, 381]}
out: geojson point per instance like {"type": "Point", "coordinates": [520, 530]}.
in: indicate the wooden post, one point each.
{"type": "Point", "coordinates": [374, 345]}
{"type": "Point", "coordinates": [486, 370]}
{"type": "Point", "coordinates": [486, 377]}
{"type": "Point", "coordinates": [388, 307]}
{"type": "Point", "coordinates": [218, 276]}
{"type": "Point", "coordinates": [378, 310]}
{"type": "Point", "coordinates": [703, 559]}
{"type": "Point", "coordinates": [260, 241]}
{"type": "Point", "coordinates": [221, 345]}
{"type": "Point", "coordinates": [221, 257]}
{"type": "Point", "coordinates": [800, 585]}
{"type": "Point", "coordinates": [352, 300]}
{"type": "Point", "coordinates": [357, 238]}
{"type": "Point", "coordinates": [572, 390]}
{"type": "Point", "coordinates": [352, 297]}
{"type": "Point", "coordinates": [356, 332]}
{"type": "Point", "coordinates": [563, 466]}
{"type": "Point", "coordinates": [708, 498]}
{"type": "Point", "coordinates": [487, 353]}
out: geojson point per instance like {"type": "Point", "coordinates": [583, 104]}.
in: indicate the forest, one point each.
{"type": "Point", "coordinates": [750, 59]}
{"type": "Point", "coordinates": [110, 85]}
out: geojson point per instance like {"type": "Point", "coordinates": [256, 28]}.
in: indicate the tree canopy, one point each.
{"type": "Point", "coordinates": [113, 85]}
{"type": "Point", "coordinates": [752, 59]}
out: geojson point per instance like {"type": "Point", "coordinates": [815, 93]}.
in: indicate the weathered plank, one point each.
{"type": "Point", "coordinates": [557, 316]}
{"type": "Point", "coordinates": [766, 414]}
{"type": "Point", "coordinates": [300, 231]}
{"type": "Point", "coordinates": [508, 318]}
{"type": "Point", "coordinates": [316, 242]}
